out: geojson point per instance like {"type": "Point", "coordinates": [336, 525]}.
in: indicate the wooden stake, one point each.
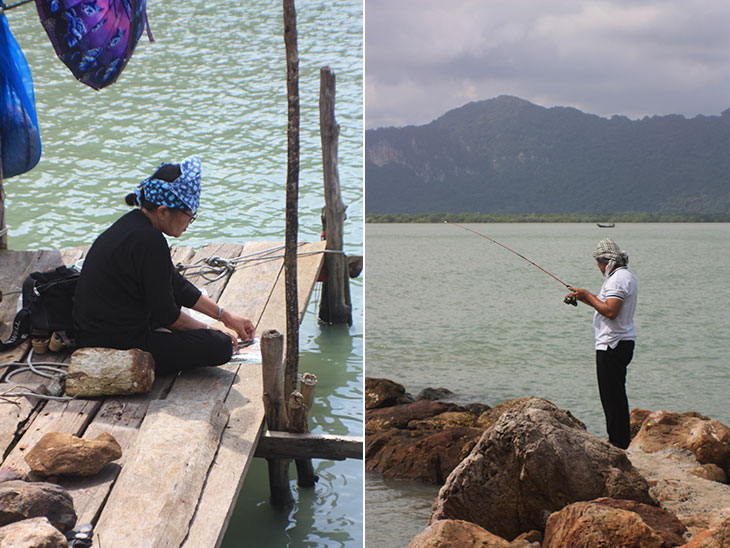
{"type": "Point", "coordinates": [298, 425]}
{"type": "Point", "coordinates": [272, 351]}
{"type": "Point", "coordinates": [292, 198]}
{"type": "Point", "coordinates": [336, 306]}
{"type": "Point", "coordinates": [3, 230]}
{"type": "Point", "coordinates": [306, 387]}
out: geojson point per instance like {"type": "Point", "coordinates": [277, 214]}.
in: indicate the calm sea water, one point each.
{"type": "Point", "coordinates": [447, 308]}
{"type": "Point", "coordinates": [214, 84]}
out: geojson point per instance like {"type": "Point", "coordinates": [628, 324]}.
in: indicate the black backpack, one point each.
{"type": "Point", "coordinates": [47, 305]}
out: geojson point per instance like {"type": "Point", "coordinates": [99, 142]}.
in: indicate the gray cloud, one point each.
{"type": "Point", "coordinates": [636, 58]}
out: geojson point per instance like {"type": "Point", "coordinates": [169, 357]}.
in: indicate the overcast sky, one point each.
{"type": "Point", "coordinates": [605, 57]}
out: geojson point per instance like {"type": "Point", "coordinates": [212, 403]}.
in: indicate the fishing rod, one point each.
{"type": "Point", "coordinates": [568, 300]}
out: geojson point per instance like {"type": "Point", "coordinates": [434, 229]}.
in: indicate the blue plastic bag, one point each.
{"type": "Point", "coordinates": [20, 140]}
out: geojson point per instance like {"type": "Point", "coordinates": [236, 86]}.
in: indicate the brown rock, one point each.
{"type": "Point", "coordinates": [488, 417]}
{"type": "Point", "coordinates": [61, 454]}
{"type": "Point", "coordinates": [717, 536]}
{"type": "Point", "coordinates": [636, 419]}
{"type": "Point", "coordinates": [422, 455]}
{"type": "Point", "coordinates": [455, 533]}
{"type": "Point", "coordinates": [449, 419]}
{"type": "Point", "coordinates": [710, 472]}
{"type": "Point", "coordinates": [384, 393]}
{"type": "Point", "coordinates": [708, 439]}
{"type": "Point", "coordinates": [31, 533]}
{"type": "Point", "coordinates": [435, 394]}
{"type": "Point", "coordinates": [592, 525]}
{"type": "Point", "coordinates": [106, 371]}
{"type": "Point", "coordinates": [400, 415]}
{"type": "Point", "coordinates": [695, 501]}
{"type": "Point", "coordinates": [664, 523]}
{"type": "Point", "coordinates": [534, 460]}
{"type": "Point", "coordinates": [21, 500]}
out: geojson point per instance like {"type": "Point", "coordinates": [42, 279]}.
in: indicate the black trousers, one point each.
{"type": "Point", "coordinates": [611, 365]}
{"type": "Point", "coordinates": [178, 350]}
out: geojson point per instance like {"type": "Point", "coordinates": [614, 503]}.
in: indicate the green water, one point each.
{"type": "Point", "coordinates": [214, 84]}
{"type": "Point", "coordinates": [447, 308]}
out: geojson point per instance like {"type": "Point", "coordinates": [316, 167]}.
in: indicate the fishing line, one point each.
{"type": "Point", "coordinates": [510, 250]}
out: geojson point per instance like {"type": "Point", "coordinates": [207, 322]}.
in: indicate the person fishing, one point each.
{"type": "Point", "coordinates": [615, 337]}
{"type": "Point", "coordinates": [130, 295]}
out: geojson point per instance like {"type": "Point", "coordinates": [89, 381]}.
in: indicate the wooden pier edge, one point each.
{"type": "Point", "coordinates": [309, 446]}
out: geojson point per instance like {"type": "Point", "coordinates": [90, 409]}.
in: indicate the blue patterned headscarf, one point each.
{"type": "Point", "coordinates": [182, 193]}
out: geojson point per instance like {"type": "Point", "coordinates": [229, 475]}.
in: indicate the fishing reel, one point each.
{"type": "Point", "coordinates": [570, 299]}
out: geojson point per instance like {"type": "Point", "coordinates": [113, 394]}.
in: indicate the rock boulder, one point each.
{"type": "Point", "coordinates": [61, 454]}
{"type": "Point", "coordinates": [106, 371]}
{"type": "Point", "coordinates": [534, 460]}
{"type": "Point", "coordinates": [32, 533]}
{"type": "Point", "coordinates": [20, 500]}
{"type": "Point", "coordinates": [716, 536]}
{"type": "Point", "coordinates": [384, 393]}
{"type": "Point", "coordinates": [609, 522]}
{"type": "Point", "coordinates": [454, 532]}
{"type": "Point", "coordinates": [707, 439]}
{"type": "Point", "coordinates": [420, 441]}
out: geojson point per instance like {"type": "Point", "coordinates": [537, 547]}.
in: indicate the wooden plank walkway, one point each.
{"type": "Point", "coordinates": [188, 444]}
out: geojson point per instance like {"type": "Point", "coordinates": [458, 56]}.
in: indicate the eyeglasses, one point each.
{"type": "Point", "coordinates": [191, 216]}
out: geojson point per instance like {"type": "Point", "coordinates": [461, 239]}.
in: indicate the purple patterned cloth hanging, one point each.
{"type": "Point", "coordinates": [94, 38]}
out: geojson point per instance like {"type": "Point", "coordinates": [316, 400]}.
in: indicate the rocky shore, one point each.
{"type": "Point", "coordinates": [528, 474]}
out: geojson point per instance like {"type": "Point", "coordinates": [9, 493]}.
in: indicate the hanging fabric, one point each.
{"type": "Point", "coordinates": [20, 141]}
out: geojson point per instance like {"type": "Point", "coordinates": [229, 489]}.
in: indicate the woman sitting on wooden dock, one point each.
{"type": "Point", "coordinates": [130, 294]}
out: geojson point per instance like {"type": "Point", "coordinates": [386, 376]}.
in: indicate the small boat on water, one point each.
{"type": "Point", "coordinates": [606, 225]}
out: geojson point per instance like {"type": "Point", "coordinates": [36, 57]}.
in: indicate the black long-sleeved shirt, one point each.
{"type": "Point", "coordinates": [128, 285]}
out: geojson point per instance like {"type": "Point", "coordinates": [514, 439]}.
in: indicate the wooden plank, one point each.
{"type": "Point", "coordinates": [308, 267]}
{"type": "Point", "coordinates": [309, 446]}
{"type": "Point", "coordinates": [71, 256]}
{"type": "Point", "coordinates": [155, 495]}
{"type": "Point", "coordinates": [70, 417]}
{"type": "Point", "coordinates": [222, 250]}
{"type": "Point", "coordinates": [232, 461]}
{"type": "Point", "coordinates": [250, 286]}
{"type": "Point", "coordinates": [121, 417]}
{"type": "Point", "coordinates": [20, 411]}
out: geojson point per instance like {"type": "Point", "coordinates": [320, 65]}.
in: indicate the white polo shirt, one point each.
{"type": "Point", "coordinates": [620, 284]}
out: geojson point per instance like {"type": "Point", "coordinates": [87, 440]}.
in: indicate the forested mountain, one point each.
{"type": "Point", "coordinates": [507, 155]}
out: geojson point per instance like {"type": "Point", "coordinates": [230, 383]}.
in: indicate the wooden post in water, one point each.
{"type": "Point", "coordinates": [272, 352]}
{"type": "Point", "coordinates": [335, 306]}
{"type": "Point", "coordinates": [292, 198]}
{"type": "Point", "coordinates": [300, 404]}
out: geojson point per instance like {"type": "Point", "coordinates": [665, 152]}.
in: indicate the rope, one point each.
{"type": "Point", "coordinates": [35, 368]}
{"type": "Point", "coordinates": [219, 267]}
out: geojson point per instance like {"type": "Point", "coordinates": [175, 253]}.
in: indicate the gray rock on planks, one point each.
{"type": "Point", "coordinates": [21, 500]}
{"type": "Point", "coordinates": [157, 491]}
{"type": "Point", "coordinates": [106, 371]}
{"type": "Point", "coordinates": [32, 533]}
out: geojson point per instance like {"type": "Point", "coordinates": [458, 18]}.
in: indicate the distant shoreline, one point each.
{"type": "Point", "coordinates": [547, 218]}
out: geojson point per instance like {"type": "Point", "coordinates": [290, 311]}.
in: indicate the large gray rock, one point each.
{"type": "Point", "coordinates": [61, 454]}
{"type": "Point", "coordinates": [32, 533]}
{"type": "Point", "coordinates": [534, 460]}
{"type": "Point", "coordinates": [106, 372]}
{"type": "Point", "coordinates": [21, 500]}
